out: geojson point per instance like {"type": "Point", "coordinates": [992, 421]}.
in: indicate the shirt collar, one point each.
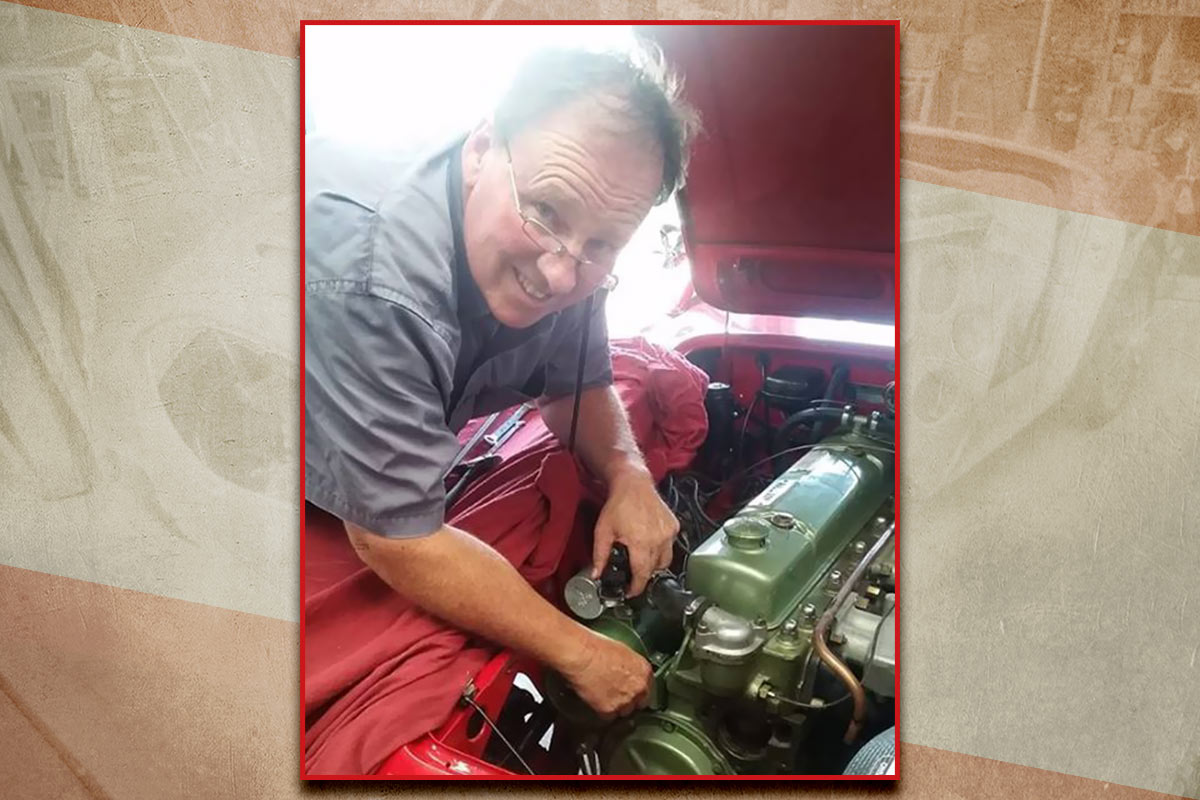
{"type": "Point", "coordinates": [471, 303]}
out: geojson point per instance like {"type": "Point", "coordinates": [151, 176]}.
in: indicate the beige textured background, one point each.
{"type": "Point", "coordinates": [149, 332]}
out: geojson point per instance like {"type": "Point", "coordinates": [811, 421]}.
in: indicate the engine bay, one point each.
{"type": "Point", "coordinates": [772, 635]}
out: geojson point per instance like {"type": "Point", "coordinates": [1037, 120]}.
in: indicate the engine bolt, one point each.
{"type": "Point", "coordinates": [668, 726]}
{"type": "Point", "coordinates": [782, 520]}
{"type": "Point", "coordinates": [789, 628]}
{"type": "Point", "coordinates": [809, 611]}
{"type": "Point", "coordinates": [835, 577]}
{"type": "Point", "coordinates": [859, 547]}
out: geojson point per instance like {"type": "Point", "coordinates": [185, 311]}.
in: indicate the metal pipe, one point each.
{"type": "Point", "coordinates": [835, 664]}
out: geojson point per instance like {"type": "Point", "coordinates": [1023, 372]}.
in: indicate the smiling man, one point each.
{"type": "Point", "coordinates": [443, 287]}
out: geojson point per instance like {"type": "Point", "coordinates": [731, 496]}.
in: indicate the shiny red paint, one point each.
{"type": "Point", "coordinates": [429, 758]}
{"type": "Point", "coordinates": [456, 748]}
{"type": "Point", "coordinates": [789, 206]}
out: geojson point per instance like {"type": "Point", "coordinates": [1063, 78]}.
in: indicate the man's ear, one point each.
{"type": "Point", "coordinates": [478, 143]}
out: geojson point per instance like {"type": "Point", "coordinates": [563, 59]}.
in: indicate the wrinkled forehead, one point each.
{"type": "Point", "coordinates": [594, 141]}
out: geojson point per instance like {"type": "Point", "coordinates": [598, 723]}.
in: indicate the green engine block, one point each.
{"type": "Point", "coordinates": [728, 695]}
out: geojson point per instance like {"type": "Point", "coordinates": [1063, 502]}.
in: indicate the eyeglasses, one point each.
{"type": "Point", "coordinates": [593, 272]}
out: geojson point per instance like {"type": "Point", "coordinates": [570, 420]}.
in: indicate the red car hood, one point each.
{"type": "Point", "coordinates": [789, 206]}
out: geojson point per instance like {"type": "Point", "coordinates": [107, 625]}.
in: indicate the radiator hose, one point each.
{"type": "Point", "coordinates": [809, 416]}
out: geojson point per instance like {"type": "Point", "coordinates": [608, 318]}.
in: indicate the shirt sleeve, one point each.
{"type": "Point", "coordinates": [375, 435]}
{"type": "Point", "coordinates": [562, 365]}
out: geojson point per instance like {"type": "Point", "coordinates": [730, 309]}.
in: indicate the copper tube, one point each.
{"type": "Point", "coordinates": [835, 664]}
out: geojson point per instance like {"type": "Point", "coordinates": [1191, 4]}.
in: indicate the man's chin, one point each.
{"type": "Point", "coordinates": [516, 314]}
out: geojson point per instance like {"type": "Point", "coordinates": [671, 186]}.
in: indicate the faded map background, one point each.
{"type": "Point", "coordinates": [1050, 373]}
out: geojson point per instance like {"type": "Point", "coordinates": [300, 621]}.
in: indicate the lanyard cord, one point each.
{"type": "Point", "coordinates": [583, 343]}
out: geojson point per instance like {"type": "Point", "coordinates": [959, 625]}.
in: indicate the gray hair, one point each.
{"type": "Point", "coordinates": [647, 94]}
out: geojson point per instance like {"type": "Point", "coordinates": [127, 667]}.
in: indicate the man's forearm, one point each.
{"type": "Point", "coordinates": [463, 581]}
{"type": "Point", "coordinates": [603, 437]}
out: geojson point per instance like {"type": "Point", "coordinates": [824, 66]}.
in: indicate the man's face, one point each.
{"type": "Point", "coordinates": [592, 185]}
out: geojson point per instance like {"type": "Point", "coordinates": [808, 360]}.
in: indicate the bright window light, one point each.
{"type": "Point", "coordinates": [844, 330]}
{"type": "Point", "coordinates": [399, 84]}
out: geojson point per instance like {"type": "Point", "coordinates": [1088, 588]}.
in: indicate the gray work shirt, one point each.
{"type": "Point", "coordinates": [400, 349]}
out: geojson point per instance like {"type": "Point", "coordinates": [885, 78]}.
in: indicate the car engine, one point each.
{"type": "Point", "coordinates": [772, 639]}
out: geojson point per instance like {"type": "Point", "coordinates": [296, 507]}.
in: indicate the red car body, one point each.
{"type": "Point", "coordinates": [789, 212]}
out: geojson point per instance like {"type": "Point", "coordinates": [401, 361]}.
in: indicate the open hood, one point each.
{"type": "Point", "coordinates": [789, 206]}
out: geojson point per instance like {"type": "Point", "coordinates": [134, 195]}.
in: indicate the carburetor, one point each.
{"type": "Point", "coordinates": [801, 576]}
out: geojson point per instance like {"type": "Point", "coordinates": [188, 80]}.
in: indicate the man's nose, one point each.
{"type": "Point", "coordinates": [559, 272]}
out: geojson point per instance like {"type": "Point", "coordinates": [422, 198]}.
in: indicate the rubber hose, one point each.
{"type": "Point", "coordinates": [813, 415]}
{"type": "Point", "coordinates": [670, 598]}
{"type": "Point", "coordinates": [836, 383]}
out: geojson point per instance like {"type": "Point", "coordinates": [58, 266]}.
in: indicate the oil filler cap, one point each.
{"type": "Point", "coordinates": [747, 533]}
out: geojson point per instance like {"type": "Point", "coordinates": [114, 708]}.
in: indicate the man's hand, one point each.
{"type": "Point", "coordinates": [609, 677]}
{"type": "Point", "coordinates": [634, 513]}
{"type": "Point", "coordinates": [636, 516]}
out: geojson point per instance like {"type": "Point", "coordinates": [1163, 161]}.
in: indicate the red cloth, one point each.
{"type": "Point", "coordinates": [378, 671]}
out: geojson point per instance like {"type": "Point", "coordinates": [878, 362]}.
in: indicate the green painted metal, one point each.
{"type": "Point", "coordinates": [764, 560]}
{"type": "Point", "coordinates": [664, 743]}
{"type": "Point", "coordinates": [764, 564]}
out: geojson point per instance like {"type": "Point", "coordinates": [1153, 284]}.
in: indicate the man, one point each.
{"type": "Point", "coordinates": [442, 288]}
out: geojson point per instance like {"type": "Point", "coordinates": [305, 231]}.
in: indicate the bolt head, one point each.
{"type": "Point", "coordinates": [859, 547]}
{"type": "Point", "coordinates": [809, 611]}
{"type": "Point", "coordinates": [835, 577]}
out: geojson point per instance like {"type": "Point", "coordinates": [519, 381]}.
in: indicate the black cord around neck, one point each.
{"type": "Point", "coordinates": [583, 343]}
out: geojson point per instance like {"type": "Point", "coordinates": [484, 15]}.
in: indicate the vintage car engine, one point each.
{"type": "Point", "coordinates": [778, 629]}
